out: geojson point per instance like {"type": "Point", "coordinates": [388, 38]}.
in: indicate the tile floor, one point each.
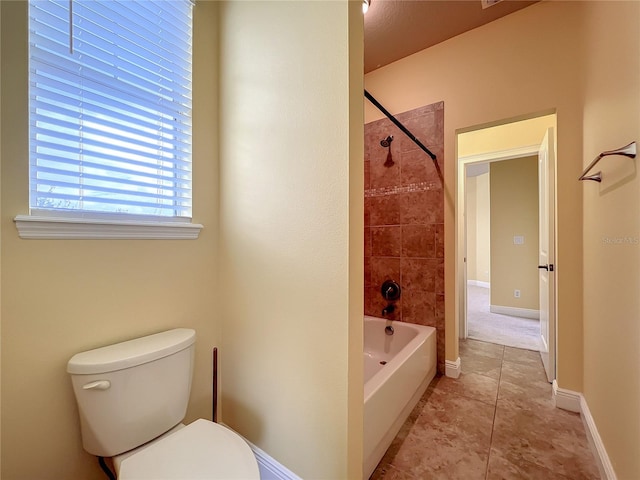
{"type": "Point", "coordinates": [496, 421]}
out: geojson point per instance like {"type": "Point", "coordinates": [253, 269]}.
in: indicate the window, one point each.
{"type": "Point", "coordinates": [110, 110]}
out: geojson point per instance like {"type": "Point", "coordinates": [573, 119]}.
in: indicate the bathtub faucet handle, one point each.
{"type": "Point", "coordinates": [390, 290]}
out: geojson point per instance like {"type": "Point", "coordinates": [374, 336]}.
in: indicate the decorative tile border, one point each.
{"type": "Point", "coordinates": [412, 187]}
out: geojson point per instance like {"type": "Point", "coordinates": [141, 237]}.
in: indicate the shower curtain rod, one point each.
{"type": "Point", "coordinates": [402, 127]}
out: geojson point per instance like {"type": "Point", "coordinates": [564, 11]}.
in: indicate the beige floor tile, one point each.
{"type": "Point", "coordinates": [389, 472]}
{"type": "Point", "coordinates": [407, 427]}
{"type": "Point", "coordinates": [496, 421]}
{"type": "Point", "coordinates": [523, 386]}
{"type": "Point", "coordinates": [553, 439]}
{"type": "Point", "coordinates": [441, 454]}
{"type": "Point", "coordinates": [471, 385]}
{"type": "Point", "coordinates": [525, 396]}
{"type": "Point", "coordinates": [524, 372]}
{"type": "Point", "coordinates": [481, 348]}
{"type": "Point", "coordinates": [449, 439]}
{"type": "Point", "coordinates": [525, 357]}
{"type": "Point", "coordinates": [481, 364]}
{"type": "Point", "coordinates": [466, 416]}
{"type": "Point", "coordinates": [502, 469]}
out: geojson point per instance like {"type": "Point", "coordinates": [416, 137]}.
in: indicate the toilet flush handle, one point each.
{"type": "Point", "coordinates": [98, 385]}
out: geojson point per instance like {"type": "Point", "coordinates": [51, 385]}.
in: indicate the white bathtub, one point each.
{"type": "Point", "coordinates": [397, 370]}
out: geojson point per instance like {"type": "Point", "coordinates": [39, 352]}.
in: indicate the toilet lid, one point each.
{"type": "Point", "coordinates": [201, 450]}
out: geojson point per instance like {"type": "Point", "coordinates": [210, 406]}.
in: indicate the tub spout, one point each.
{"type": "Point", "coordinates": [389, 309]}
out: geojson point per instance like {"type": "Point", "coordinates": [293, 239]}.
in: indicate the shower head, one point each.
{"type": "Point", "coordinates": [387, 141]}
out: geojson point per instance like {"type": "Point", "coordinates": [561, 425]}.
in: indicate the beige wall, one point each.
{"type": "Point", "coordinates": [51, 308]}
{"type": "Point", "coordinates": [478, 228]}
{"type": "Point", "coordinates": [471, 207]}
{"type": "Point", "coordinates": [60, 297]}
{"type": "Point", "coordinates": [355, 417]}
{"type": "Point", "coordinates": [291, 241]}
{"type": "Point", "coordinates": [520, 65]}
{"type": "Point", "coordinates": [514, 211]}
{"type": "Point", "coordinates": [0, 251]}
{"type": "Point", "coordinates": [581, 59]}
{"type": "Point", "coordinates": [509, 136]}
{"type": "Point", "coordinates": [612, 231]}
{"type": "Point", "coordinates": [290, 255]}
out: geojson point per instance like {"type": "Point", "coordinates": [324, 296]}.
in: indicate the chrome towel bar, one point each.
{"type": "Point", "coordinates": [627, 151]}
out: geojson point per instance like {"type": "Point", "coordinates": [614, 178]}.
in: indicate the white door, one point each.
{"type": "Point", "coordinates": [546, 255]}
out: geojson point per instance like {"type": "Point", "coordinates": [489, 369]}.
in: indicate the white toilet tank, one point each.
{"type": "Point", "coordinates": [131, 392]}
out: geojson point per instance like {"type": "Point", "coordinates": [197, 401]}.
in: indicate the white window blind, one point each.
{"type": "Point", "coordinates": [110, 106]}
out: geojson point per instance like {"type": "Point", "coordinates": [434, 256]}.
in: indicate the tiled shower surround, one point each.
{"type": "Point", "coordinates": [404, 219]}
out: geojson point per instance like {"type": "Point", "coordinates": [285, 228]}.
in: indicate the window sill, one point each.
{"type": "Point", "coordinates": [44, 227]}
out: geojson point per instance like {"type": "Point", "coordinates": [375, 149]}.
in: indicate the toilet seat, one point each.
{"type": "Point", "coordinates": [201, 450]}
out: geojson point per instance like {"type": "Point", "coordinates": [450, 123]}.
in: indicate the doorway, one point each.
{"type": "Point", "coordinates": [501, 225]}
{"type": "Point", "coordinates": [498, 280]}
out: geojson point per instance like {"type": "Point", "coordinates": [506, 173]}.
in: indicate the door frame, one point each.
{"type": "Point", "coordinates": [461, 223]}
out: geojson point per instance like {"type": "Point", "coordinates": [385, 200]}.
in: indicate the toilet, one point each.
{"type": "Point", "coordinates": [132, 398]}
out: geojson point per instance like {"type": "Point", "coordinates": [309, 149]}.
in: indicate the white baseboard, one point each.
{"type": "Point", "coordinates": [452, 369]}
{"type": "Point", "coordinates": [566, 399]}
{"type": "Point", "coordinates": [479, 283]}
{"type": "Point", "coordinates": [270, 469]}
{"type": "Point", "coordinates": [604, 464]}
{"type": "Point", "coordinates": [515, 312]}
{"type": "Point", "coordinates": [575, 402]}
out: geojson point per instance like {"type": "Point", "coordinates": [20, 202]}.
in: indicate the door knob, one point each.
{"type": "Point", "coordinates": [548, 268]}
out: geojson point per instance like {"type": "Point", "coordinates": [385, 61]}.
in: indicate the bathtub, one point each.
{"type": "Point", "coordinates": [397, 371]}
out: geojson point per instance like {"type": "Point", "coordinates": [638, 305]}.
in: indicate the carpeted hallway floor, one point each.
{"type": "Point", "coordinates": [496, 328]}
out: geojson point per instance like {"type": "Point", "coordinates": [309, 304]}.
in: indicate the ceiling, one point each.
{"type": "Point", "coordinates": [394, 29]}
